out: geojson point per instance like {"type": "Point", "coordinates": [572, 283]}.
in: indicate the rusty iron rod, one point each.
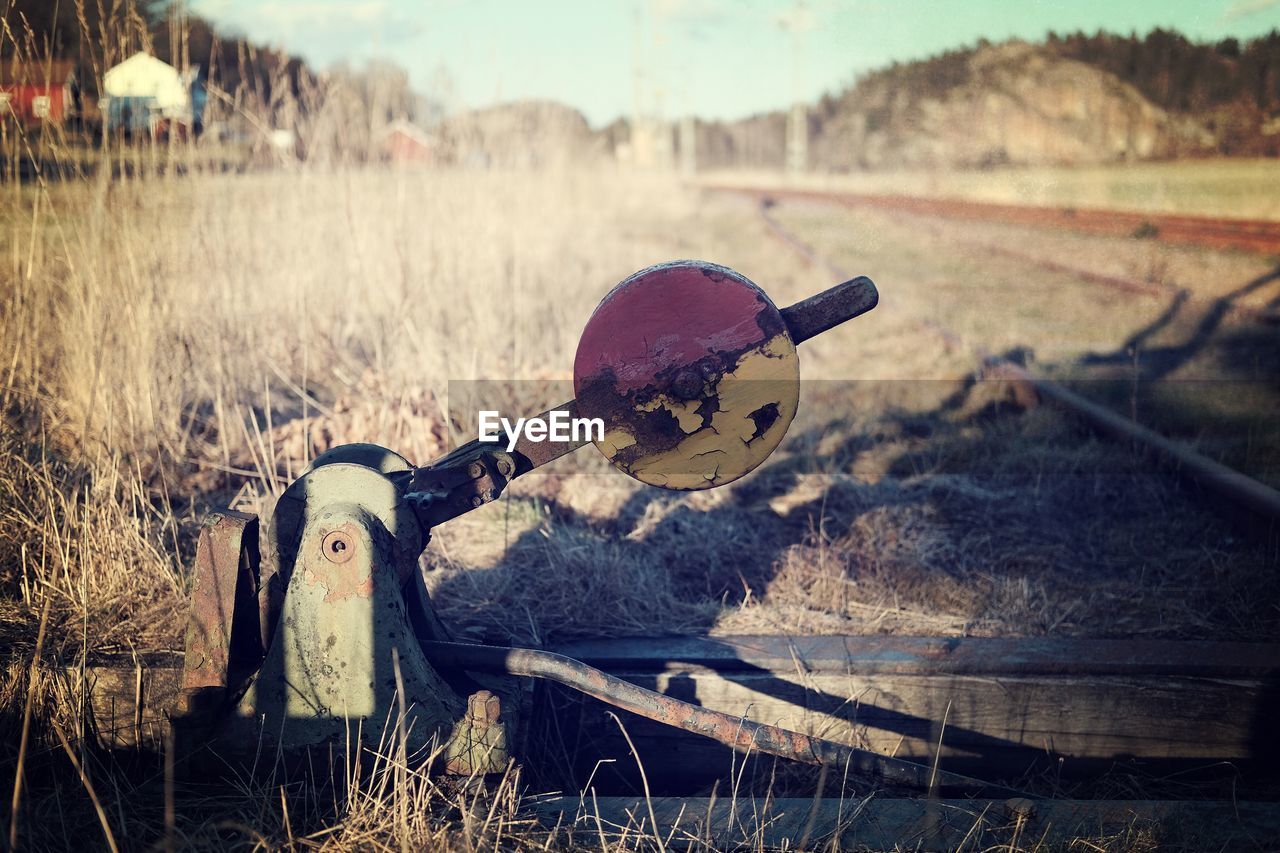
{"type": "Point", "coordinates": [736, 732]}
{"type": "Point", "coordinates": [1240, 488]}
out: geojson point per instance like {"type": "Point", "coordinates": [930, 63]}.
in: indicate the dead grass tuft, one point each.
{"type": "Point", "coordinates": [103, 551]}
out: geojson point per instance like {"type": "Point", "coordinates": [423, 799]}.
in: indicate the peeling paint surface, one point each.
{"type": "Point", "coordinates": [340, 580]}
{"type": "Point", "coordinates": [692, 369]}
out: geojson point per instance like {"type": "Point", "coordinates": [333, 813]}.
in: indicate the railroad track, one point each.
{"type": "Point", "coordinates": [1113, 282]}
{"type": "Point", "coordinates": [1260, 236]}
{"type": "Point", "coordinates": [1244, 491]}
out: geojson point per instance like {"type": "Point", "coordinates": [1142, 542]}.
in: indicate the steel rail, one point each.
{"type": "Point", "coordinates": [738, 733]}
{"type": "Point", "coordinates": [1259, 236]}
{"type": "Point", "coordinates": [1245, 491]}
{"type": "Point", "coordinates": [1115, 282]}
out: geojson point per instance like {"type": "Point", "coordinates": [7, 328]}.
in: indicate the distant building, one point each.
{"type": "Point", "coordinates": [403, 142]}
{"type": "Point", "coordinates": [38, 93]}
{"type": "Point", "coordinates": [148, 95]}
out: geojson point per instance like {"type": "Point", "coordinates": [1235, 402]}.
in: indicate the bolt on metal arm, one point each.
{"type": "Point", "coordinates": [477, 472]}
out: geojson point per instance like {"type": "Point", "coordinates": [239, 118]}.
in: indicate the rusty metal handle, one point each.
{"type": "Point", "coordinates": [736, 732]}
{"type": "Point", "coordinates": [811, 317]}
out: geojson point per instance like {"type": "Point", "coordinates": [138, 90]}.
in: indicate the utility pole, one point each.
{"type": "Point", "coordinates": [796, 22]}
{"type": "Point", "coordinates": [651, 138]}
{"type": "Point", "coordinates": [798, 138]}
{"type": "Point", "coordinates": [688, 146]}
{"type": "Point", "coordinates": [633, 152]}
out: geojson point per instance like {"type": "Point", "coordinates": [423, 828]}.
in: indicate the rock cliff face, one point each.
{"type": "Point", "coordinates": [1012, 103]}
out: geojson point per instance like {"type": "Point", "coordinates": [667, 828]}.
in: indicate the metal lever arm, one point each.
{"type": "Point", "coordinates": [477, 472]}
{"type": "Point", "coordinates": [811, 317]}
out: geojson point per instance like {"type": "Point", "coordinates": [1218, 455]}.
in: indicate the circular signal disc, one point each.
{"type": "Point", "coordinates": [692, 369]}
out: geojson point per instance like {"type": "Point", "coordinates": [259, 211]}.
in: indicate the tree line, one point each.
{"type": "Point", "coordinates": [1181, 75]}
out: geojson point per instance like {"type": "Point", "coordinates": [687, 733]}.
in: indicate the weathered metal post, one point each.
{"type": "Point", "coordinates": [342, 650]}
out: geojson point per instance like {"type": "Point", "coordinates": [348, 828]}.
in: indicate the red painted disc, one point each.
{"type": "Point", "coordinates": [693, 371]}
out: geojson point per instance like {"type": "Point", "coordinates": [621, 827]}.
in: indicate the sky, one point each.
{"type": "Point", "coordinates": [712, 58]}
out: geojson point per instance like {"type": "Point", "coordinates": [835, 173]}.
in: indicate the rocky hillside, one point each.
{"type": "Point", "coordinates": [1233, 89]}
{"type": "Point", "coordinates": [1009, 103]}
{"type": "Point", "coordinates": [1073, 100]}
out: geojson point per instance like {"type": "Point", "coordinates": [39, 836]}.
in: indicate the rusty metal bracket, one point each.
{"type": "Point", "coordinates": [222, 633]}
{"type": "Point", "coordinates": [468, 478]}
{"type": "Point", "coordinates": [476, 473]}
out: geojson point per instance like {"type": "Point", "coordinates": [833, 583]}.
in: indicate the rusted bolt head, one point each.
{"type": "Point", "coordinates": [338, 546]}
{"type": "Point", "coordinates": [475, 470]}
{"type": "Point", "coordinates": [687, 384]}
{"type": "Point", "coordinates": [505, 467]}
{"type": "Point", "coordinates": [477, 501]}
{"type": "Point", "coordinates": [483, 708]}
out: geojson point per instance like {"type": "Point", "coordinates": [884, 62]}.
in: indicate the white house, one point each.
{"type": "Point", "coordinates": [143, 90]}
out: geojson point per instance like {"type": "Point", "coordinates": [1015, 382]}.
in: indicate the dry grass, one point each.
{"type": "Point", "coordinates": [158, 330]}
{"type": "Point", "coordinates": [379, 803]}
{"type": "Point", "coordinates": [1181, 361]}
{"type": "Point", "coordinates": [172, 344]}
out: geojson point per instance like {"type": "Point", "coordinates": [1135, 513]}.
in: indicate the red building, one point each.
{"type": "Point", "coordinates": [403, 142]}
{"type": "Point", "coordinates": [37, 93]}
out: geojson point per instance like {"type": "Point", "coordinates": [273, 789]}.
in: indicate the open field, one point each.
{"type": "Point", "coordinates": [172, 345]}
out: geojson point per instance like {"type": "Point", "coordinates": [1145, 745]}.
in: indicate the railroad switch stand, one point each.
{"type": "Point", "coordinates": [311, 630]}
